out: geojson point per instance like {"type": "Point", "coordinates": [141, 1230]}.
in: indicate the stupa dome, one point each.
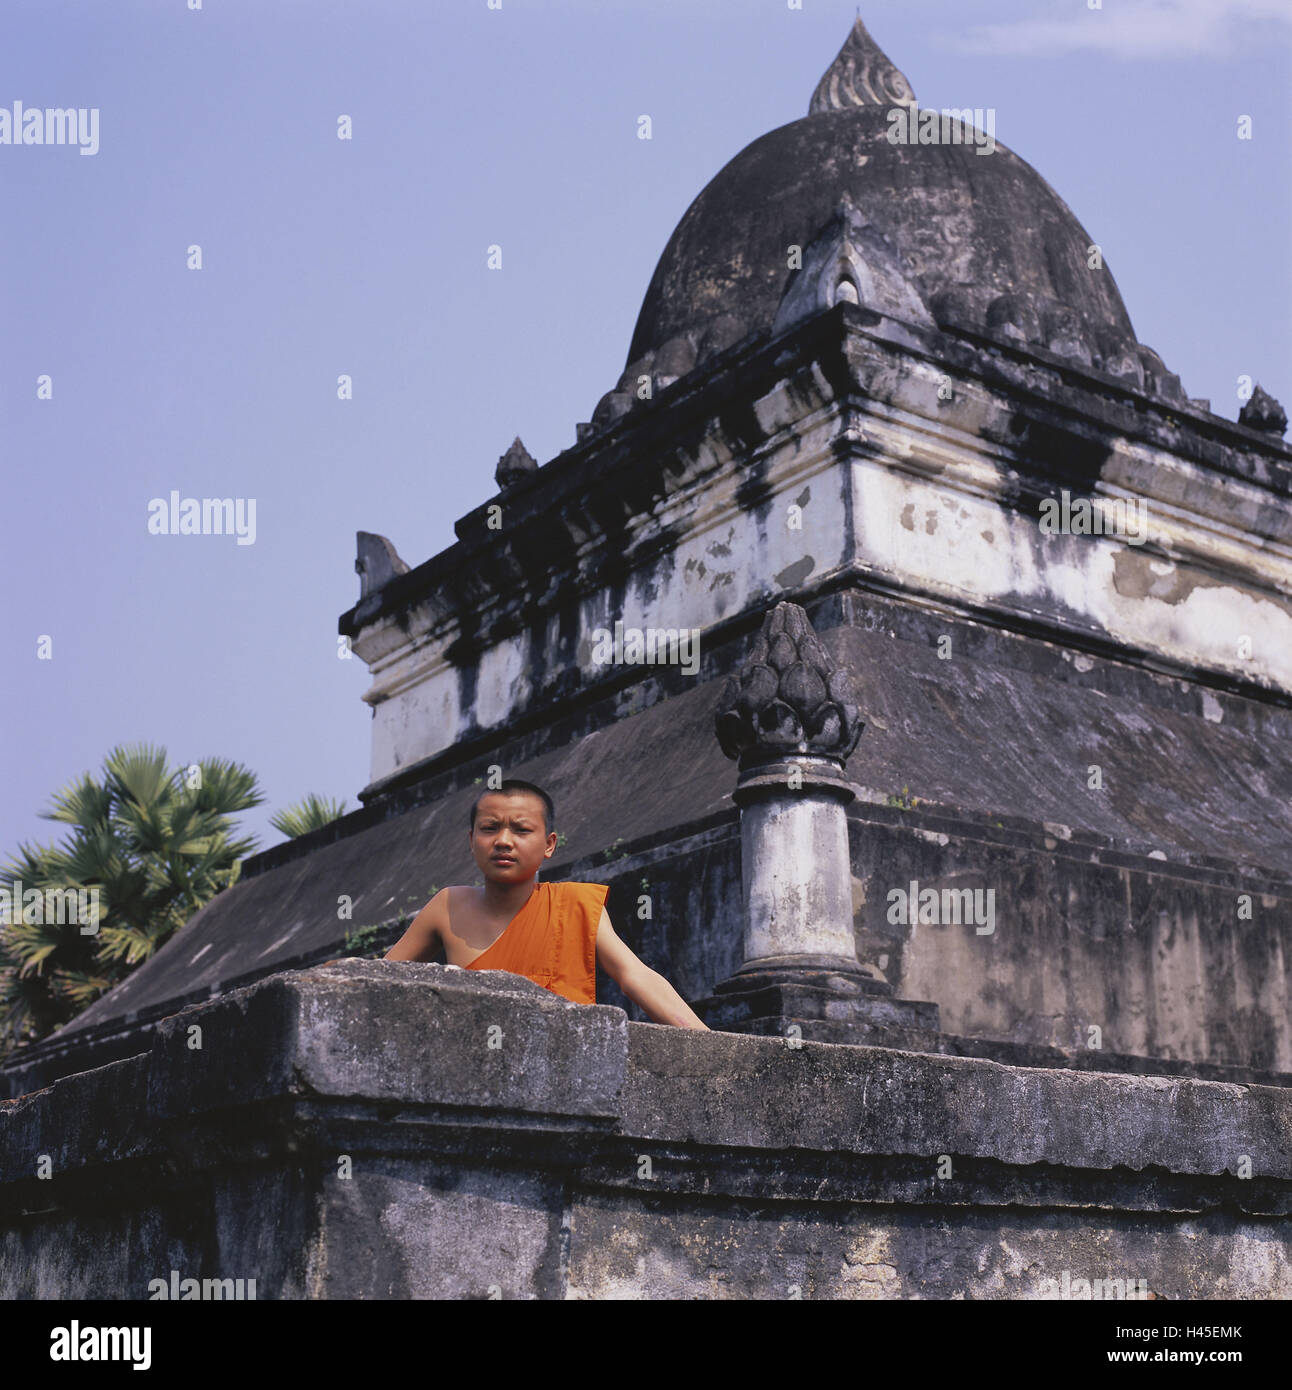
{"type": "Point", "coordinates": [957, 233]}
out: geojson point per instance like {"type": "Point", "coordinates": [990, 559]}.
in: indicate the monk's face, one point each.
{"type": "Point", "coordinates": [510, 825]}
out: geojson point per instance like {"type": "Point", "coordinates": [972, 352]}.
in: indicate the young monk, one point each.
{"type": "Point", "coordinates": [556, 934]}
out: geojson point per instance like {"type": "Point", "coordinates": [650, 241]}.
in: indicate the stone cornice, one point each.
{"type": "Point", "coordinates": [586, 498]}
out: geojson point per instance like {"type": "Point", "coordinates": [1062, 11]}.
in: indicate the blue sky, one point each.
{"type": "Point", "coordinates": [471, 126]}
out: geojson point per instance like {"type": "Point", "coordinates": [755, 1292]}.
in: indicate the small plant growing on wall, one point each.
{"type": "Point", "coordinates": [361, 941]}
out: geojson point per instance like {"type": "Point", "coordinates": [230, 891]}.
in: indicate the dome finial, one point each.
{"type": "Point", "coordinates": [861, 75]}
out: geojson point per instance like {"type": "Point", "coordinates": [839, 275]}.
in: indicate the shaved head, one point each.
{"type": "Point", "coordinates": [518, 788]}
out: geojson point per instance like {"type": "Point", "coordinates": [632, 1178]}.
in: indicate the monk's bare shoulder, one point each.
{"type": "Point", "coordinates": [424, 938]}
{"type": "Point", "coordinates": [454, 902]}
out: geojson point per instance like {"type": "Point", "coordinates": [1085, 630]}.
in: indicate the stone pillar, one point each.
{"type": "Point", "coordinates": [790, 719]}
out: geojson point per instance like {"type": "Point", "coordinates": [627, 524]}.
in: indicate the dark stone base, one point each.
{"type": "Point", "coordinates": [827, 1001]}
{"type": "Point", "coordinates": [518, 1172]}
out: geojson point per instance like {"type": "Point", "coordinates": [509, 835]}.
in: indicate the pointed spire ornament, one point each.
{"type": "Point", "coordinates": [861, 75]}
{"type": "Point", "coordinates": [516, 464]}
{"type": "Point", "coordinates": [789, 696]}
{"type": "Point", "coordinates": [1263, 412]}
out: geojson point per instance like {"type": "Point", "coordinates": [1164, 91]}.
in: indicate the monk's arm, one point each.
{"type": "Point", "coordinates": [420, 942]}
{"type": "Point", "coordinates": [422, 939]}
{"type": "Point", "coordinates": [647, 988]}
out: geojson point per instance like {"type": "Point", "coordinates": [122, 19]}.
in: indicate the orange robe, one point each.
{"type": "Point", "coordinates": [552, 940]}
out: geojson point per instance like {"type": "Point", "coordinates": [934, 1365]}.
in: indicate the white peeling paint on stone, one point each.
{"type": "Point", "coordinates": [502, 677]}
{"type": "Point", "coordinates": [930, 515]}
{"type": "Point", "coordinates": [423, 719]}
{"type": "Point", "coordinates": [717, 568]}
{"type": "Point", "coordinates": [917, 533]}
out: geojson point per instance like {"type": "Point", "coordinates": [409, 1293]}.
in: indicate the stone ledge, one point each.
{"type": "Point", "coordinates": [591, 1157]}
{"type": "Point", "coordinates": [749, 1091]}
{"type": "Point", "coordinates": [316, 1032]}
{"type": "Point", "coordinates": [315, 1035]}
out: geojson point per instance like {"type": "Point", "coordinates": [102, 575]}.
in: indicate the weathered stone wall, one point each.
{"type": "Point", "coordinates": [504, 1141]}
{"type": "Point", "coordinates": [1066, 721]}
{"type": "Point", "coordinates": [1156, 907]}
{"type": "Point", "coordinates": [852, 443]}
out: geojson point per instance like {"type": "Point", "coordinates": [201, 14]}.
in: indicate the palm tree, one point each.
{"type": "Point", "coordinates": [310, 813]}
{"type": "Point", "coordinates": [155, 843]}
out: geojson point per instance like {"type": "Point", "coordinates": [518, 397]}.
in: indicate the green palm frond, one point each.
{"type": "Point", "coordinates": [83, 802]}
{"type": "Point", "coordinates": [27, 863]}
{"type": "Point", "coordinates": [82, 987]}
{"type": "Point", "coordinates": [154, 848]}
{"type": "Point", "coordinates": [129, 944]}
{"type": "Point", "coordinates": [309, 813]}
{"type": "Point", "coordinates": [227, 787]}
{"type": "Point", "coordinates": [137, 773]}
